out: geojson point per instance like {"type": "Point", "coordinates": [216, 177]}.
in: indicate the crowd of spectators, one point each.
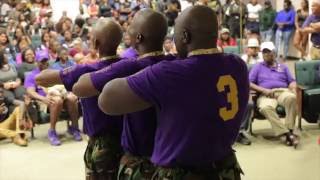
{"type": "Point", "coordinates": [27, 31]}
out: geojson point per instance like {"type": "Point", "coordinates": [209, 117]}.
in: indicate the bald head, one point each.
{"type": "Point", "coordinates": [196, 28]}
{"type": "Point", "coordinates": [107, 35]}
{"type": "Point", "coordinates": [315, 7]}
{"type": "Point", "coordinates": [148, 29]}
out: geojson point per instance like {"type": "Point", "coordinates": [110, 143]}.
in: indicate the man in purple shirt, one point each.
{"type": "Point", "coordinates": [200, 102]}
{"type": "Point", "coordinates": [104, 150]}
{"type": "Point", "coordinates": [150, 28]}
{"type": "Point", "coordinates": [285, 27]}
{"type": "Point", "coordinates": [53, 103]}
{"type": "Point", "coordinates": [312, 26]}
{"type": "Point", "coordinates": [276, 85]}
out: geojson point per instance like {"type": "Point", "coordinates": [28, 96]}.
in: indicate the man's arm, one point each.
{"type": "Point", "coordinates": [118, 98]}
{"type": "Point", "coordinates": [84, 87]}
{"type": "Point", "coordinates": [292, 86]}
{"type": "Point", "coordinates": [261, 90]}
{"type": "Point", "coordinates": [33, 94]}
{"type": "Point", "coordinates": [48, 77]}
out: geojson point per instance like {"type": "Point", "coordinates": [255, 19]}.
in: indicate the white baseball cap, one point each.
{"type": "Point", "coordinates": [224, 30]}
{"type": "Point", "coordinates": [267, 45]}
{"type": "Point", "coordinates": [253, 42]}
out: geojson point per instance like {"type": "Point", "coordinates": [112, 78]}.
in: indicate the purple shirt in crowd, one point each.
{"type": "Point", "coordinates": [315, 37]}
{"type": "Point", "coordinates": [138, 128]}
{"type": "Point", "coordinates": [129, 53]}
{"type": "Point", "coordinates": [271, 77]}
{"type": "Point", "coordinates": [188, 95]}
{"type": "Point", "coordinates": [30, 82]}
{"type": "Point", "coordinates": [94, 120]}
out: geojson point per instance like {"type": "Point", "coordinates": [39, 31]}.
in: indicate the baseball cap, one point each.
{"type": "Point", "coordinates": [42, 55]}
{"type": "Point", "coordinates": [267, 45]}
{"type": "Point", "coordinates": [253, 42]}
{"type": "Point", "coordinates": [23, 1]}
{"type": "Point", "coordinates": [224, 30]}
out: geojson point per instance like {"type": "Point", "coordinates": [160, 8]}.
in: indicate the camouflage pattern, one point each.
{"type": "Point", "coordinates": [135, 168]}
{"type": "Point", "coordinates": [227, 169]}
{"type": "Point", "coordinates": [102, 156]}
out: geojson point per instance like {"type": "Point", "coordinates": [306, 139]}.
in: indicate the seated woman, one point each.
{"type": "Point", "coordinates": [225, 39]}
{"type": "Point", "coordinates": [28, 63]}
{"type": "Point", "coordinates": [13, 90]}
{"type": "Point", "coordinates": [13, 125]}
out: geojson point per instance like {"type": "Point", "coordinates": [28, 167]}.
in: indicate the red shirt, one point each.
{"type": "Point", "coordinates": [231, 42]}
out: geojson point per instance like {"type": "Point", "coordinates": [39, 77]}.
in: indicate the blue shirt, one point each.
{"type": "Point", "coordinates": [286, 17]}
{"type": "Point", "coordinates": [315, 37]}
{"type": "Point", "coordinates": [59, 66]}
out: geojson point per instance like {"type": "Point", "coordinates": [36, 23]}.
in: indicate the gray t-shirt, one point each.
{"type": "Point", "coordinates": [8, 75]}
{"type": "Point", "coordinates": [25, 68]}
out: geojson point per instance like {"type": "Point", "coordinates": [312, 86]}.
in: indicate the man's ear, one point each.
{"type": "Point", "coordinates": [186, 37]}
{"type": "Point", "coordinates": [139, 38]}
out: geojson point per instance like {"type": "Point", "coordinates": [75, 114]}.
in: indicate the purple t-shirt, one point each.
{"type": "Point", "coordinates": [200, 103]}
{"type": "Point", "coordinates": [271, 77]}
{"type": "Point", "coordinates": [30, 82]}
{"type": "Point", "coordinates": [133, 140]}
{"type": "Point", "coordinates": [129, 53]}
{"type": "Point", "coordinates": [94, 120]}
{"type": "Point", "coordinates": [315, 37]}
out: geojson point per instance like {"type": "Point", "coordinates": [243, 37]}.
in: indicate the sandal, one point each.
{"type": "Point", "coordinates": [292, 140]}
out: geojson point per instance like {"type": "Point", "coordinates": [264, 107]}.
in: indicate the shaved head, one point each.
{"type": "Point", "coordinates": [148, 29]}
{"type": "Point", "coordinates": [195, 28]}
{"type": "Point", "coordinates": [107, 35]}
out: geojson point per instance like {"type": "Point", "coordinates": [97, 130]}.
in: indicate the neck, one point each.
{"type": "Point", "coordinates": [109, 53]}
{"type": "Point", "coordinates": [144, 50]}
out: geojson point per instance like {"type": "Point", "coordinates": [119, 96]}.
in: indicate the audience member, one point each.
{"type": "Point", "coordinates": [285, 26]}
{"type": "Point", "coordinates": [275, 84]}
{"type": "Point", "coordinates": [300, 42]}
{"type": "Point", "coordinates": [267, 17]}
{"type": "Point", "coordinates": [252, 55]}
{"type": "Point", "coordinates": [52, 104]}
{"type": "Point", "coordinates": [225, 39]}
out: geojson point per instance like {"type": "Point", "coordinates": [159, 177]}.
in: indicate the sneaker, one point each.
{"type": "Point", "coordinates": [53, 137]}
{"type": "Point", "coordinates": [75, 132]}
{"type": "Point", "coordinates": [242, 139]}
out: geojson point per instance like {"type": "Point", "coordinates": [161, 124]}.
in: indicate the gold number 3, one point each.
{"type": "Point", "coordinates": [232, 97]}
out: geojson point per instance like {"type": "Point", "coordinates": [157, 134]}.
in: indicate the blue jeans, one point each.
{"type": "Point", "coordinates": [282, 41]}
{"type": "Point", "coordinates": [267, 35]}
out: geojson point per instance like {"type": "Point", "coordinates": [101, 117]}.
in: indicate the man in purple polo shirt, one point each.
{"type": "Point", "coordinates": [276, 85]}
{"type": "Point", "coordinates": [147, 31]}
{"type": "Point", "coordinates": [200, 102]}
{"type": "Point", "coordinates": [54, 103]}
{"type": "Point", "coordinates": [104, 150]}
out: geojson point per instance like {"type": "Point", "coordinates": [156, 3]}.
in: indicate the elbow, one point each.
{"type": "Point", "coordinates": [105, 102]}
{"type": "Point", "coordinates": [77, 90]}
{"type": "Point", "coordinates": [105, 106]}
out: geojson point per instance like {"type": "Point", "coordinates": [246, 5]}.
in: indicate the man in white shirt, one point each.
{"type": "Point", "coordinates": [253, 54]}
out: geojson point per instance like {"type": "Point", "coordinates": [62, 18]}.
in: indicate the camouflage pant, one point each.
{"type": "Point", "coordinates": [102, 157]}
{"type": "Point", "coordinates": [135, 168]}
{"type": "Point", "coordinates": [227, 169]}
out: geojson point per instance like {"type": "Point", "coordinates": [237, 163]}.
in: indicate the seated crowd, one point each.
{"type": "Point", "coordinates": [31, 42]}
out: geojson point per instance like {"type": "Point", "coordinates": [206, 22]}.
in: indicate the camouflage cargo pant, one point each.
{"type": "Point", "coordinates": [135, 168]}
{"type": "Point", "coordinates": [102, 157]}
{"type": "Point", "coordinates": [227, 169]}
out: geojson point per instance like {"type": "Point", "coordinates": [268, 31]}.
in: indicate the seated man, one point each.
{"type": "Point", "coordinates": [53, 103]}
{"type": "Point", "coordinates": [13, 125]}
{"type": "Point", "coordinates": [276, 85]}
{"type": "Point", "coordinates": [252, 55]}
